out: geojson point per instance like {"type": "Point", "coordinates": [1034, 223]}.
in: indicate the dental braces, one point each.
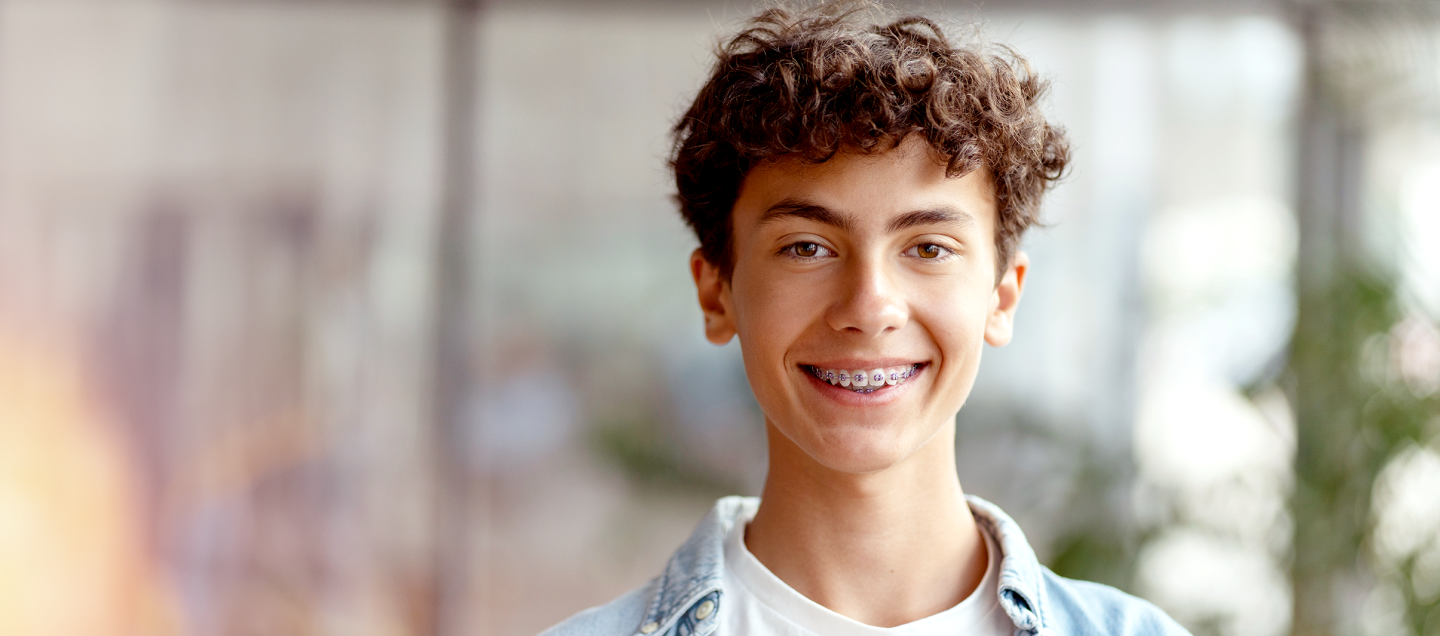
{"type": "Point", "coordinates": [861, 381]}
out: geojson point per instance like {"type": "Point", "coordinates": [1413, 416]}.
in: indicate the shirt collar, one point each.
{"type": "Point", "coordinates": [1021, 592]}
{"type": "Point", "coordinates": [698, 567]}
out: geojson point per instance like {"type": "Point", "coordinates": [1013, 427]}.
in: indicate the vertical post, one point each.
{"type": "Point", "coordinates": [1329, 162]}
{"type": "Point", "coordinates": [1342, 301]}
{"type": "Point", "coordinates": [454, 327]}
{"type": "Point", "coordinates": [1323, 187]}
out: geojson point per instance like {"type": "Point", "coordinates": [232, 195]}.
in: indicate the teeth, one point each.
{"type": "Point", "coordinates": [862, 381]}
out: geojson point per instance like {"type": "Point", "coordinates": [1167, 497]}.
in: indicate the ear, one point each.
{"type": "Point", "coordinates": [1000, 324]}
{"type": "Point", "coordinates": [714, 295]}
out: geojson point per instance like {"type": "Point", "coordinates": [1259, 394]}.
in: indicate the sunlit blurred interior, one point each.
{"type": "Point", "coordinates": [372, 317]}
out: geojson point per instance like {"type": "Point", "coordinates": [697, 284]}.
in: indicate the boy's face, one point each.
{"type": "Point", "coordinates": [859, 263]}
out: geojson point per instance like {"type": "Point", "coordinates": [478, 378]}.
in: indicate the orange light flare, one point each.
{"type": "Point", "coordinates": [72, 561]}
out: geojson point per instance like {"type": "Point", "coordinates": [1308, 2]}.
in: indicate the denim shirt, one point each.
{"type": "Point", "coordinates": [685, 598]}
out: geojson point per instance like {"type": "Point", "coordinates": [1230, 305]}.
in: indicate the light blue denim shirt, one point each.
{"type": "Point", "coordinates": [684, 599]}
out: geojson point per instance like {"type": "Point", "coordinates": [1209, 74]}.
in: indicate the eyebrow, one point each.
{"type": "Point", "coordinates": [798, 208]}
{"type": "Point", "coordinates": [935, 216]}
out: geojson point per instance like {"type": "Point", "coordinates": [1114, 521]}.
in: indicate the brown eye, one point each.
{"type": "Point", "coordinates": [806, 250]}
{"type": "Point", "coordinates": [928, 251]}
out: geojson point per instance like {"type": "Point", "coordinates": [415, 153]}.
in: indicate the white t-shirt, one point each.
{"type": "Point", "coordinates": [758, 603]}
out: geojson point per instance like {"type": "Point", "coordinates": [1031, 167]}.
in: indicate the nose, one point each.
{"type": "Point", "coordinates": [870, 302]}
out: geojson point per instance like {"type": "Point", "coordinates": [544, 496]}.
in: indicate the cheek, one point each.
{"type": "Point", "coordinates": [770, 318]}
{"type": "Point", "coordinates": [955, 317]}
{"type": "Point", "coordinates": [771, 313]}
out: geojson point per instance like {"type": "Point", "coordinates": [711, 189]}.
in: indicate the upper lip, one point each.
{"type": "Point", "coordinates": [856, 363]}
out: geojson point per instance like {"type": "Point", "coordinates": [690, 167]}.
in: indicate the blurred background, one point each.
{"type": "Point", "coordinates": [372, 317]}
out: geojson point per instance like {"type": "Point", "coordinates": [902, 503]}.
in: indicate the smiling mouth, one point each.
{"type": "Point", "coordinates": [863, 380]}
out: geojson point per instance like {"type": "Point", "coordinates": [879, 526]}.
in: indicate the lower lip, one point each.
{"type": "Point", "coordinates": [844, 395]}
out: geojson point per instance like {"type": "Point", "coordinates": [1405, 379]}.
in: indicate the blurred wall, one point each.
{"type": "Point", "coordinates": [222, 213]}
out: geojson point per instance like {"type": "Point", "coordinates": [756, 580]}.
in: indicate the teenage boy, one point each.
{"type": "Point", "coordinates": [859, 191]}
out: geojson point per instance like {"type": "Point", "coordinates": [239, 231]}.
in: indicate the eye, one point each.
{"type": "Point", "coordinates": [806, 250]}
{"type": "Point", "coordinates": [929, 252]}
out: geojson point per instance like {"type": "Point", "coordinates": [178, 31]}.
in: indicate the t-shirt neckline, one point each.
{"type": "Point", "coordinates": [964, 617]}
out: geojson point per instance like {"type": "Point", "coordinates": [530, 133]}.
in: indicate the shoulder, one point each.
{"type": "Point", "coordinates": [1081, 607]}
{"type": "Point", "coordinates": [693, 572]}
{"type": "Point", "coordinates": [620, 617]}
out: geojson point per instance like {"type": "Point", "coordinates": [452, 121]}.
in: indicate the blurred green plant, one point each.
{"type": "Point", "coordinates": [647, 453]}
{"type": "Point", "coordinates": [1099, 545]}
{"type": "Point", "coordinates": [1351, 421]}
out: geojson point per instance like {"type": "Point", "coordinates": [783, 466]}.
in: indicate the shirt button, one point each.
{"type": "Point", "coordinates": [704, 610]}
{"type": "Point", "coordinates": [649, 627]}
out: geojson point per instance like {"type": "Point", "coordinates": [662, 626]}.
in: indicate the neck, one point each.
{"type": "Point", "coordinates": [883, 548]}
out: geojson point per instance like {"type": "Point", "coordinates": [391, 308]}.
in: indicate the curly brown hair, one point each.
{"type": "Point", "coordinates": [816, 80]}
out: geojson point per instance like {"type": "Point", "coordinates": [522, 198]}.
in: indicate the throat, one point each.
{"type": "Point", "coordinates": [882, 565]}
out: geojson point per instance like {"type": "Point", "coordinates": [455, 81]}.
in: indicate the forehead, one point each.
{"type": "Point", "coordinates": [872, 189]}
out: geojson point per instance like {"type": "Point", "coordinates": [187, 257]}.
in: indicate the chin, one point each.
{"type": "Point", "coordinates": [860, 451]}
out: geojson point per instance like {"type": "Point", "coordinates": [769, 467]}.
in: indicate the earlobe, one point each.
{"type": "Point", "coordinates": [713, 293]}
{"type": "Point", "coordinates": [1000, 324]}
